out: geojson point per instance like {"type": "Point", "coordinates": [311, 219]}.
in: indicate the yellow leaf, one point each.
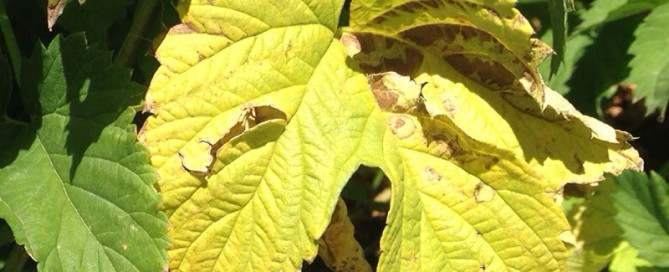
{"type": "Point", "coordinates": [338, 248]}
{"type": "Point", "coordinates": [261, 113]}
{"type": "Point", "coordinates": [252, 133]}
{"type": "Point", "coordinates": [489, 136]}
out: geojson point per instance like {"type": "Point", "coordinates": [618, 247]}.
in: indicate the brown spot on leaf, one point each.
{"type": "Point", "coordinates": [249, 117]}
{"type": "Point", "coordinates": [385, 98]}
{"type": "Point", "coordinates": [428, 34]}
{"type": "Point", "coordinates": [181, 29]}
{"type": "Point", "coordinates": [431, 175]}
{"type": "Point", "coordinates": [489, 73]}
{"type": "Point", "coordinates": [351, 44]}
{"type": "Point", "coordinates": [442, 145]}
{"type": "Point", "coordinates": [449, 106]}
{"type": "Point", "coordinates": [483, 193]}
{"type": "Point", "coordinates": [455, 147]}
{"type": "Point", "coordinates": [384, 17]}
{"type": "Point", "coordinates": [432, 3]}
{"type": "Point", "coordinates": [401, 126]}
{"type": "Point", "coordinates": [398, 123]}
{"type": "Point", "coordinates": [440, 148]}
{"type": "Point", "coordinates": [287, 48]}
{"type": "Point", "coordinates": [381, 54]}
{"type": "Point", "coordinates": [411, 7]}
{"type": "Point", "coordinates": [492, 12]}
{"type": "Point", "coordinates": [490, 162]}
{"type": "Point", "coordinates": [396, 93]}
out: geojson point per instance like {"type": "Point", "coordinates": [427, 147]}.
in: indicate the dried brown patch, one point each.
{"type": "Point", "coordinates": [351, 44]}
{"type": "Point", "coordinates": [401, 126]}
{"type": "Point", "coordinates": [489, 73]}
{"type": "Point", "coordinates": [431, 175]}
{"type": "Point", "coordinates": [381, 54]}
{"type": "Point", "coordinates": [483, 193]}
{"type": "Point", "coordinates": [385, 98]}
{"type": "Point", "coordinates": [181, 29]}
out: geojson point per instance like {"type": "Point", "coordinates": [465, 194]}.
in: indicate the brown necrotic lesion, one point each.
{"type": "Point", "coordinates": [379, 54]}
{"type": "Point", "coordinates": [250, 116]}
{"type": "Point", "coordinates": [474, 53]}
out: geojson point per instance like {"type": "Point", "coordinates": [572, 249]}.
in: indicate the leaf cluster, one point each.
{"type": "Point", "coordinates": [230, 136]}
{"type": "Point", "coordinates": [614, 68]}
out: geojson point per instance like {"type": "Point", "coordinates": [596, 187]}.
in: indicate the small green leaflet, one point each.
{"type": "Point", "coordinates": [558, 11]}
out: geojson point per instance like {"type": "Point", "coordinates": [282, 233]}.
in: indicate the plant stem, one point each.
{"type": "Point", "coordinates": [10, 40]}
{"type": "Point", "coordinates": [144, 14]}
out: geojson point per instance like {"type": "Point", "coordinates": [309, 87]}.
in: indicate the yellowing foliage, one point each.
{"type": "Point", "coordinates": [261, 112]}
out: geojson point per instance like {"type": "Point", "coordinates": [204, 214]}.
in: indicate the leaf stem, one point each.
{"type": "Point", "coordinates": [144, 14]}
{"type": "Point", "coordinates": [10, 40]}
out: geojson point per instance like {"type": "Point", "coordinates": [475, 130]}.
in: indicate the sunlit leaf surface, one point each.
{"type": "Point", "coordinates": [650, 66]}
{"type": "Point", "coordinates": [262, 112]}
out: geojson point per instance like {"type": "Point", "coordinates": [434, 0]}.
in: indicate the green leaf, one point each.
{"type": "Point", "coordinates": [596, 232]}
{"type": "Point", "coordinates": [95, 17]}
{"type": "Point", "coordinates": [622, 211]}
{"type": "Point", "coordinates": [627, 259]}
{"type": "Point", "coordinates": [604, 11]}
{"type": "Point", "coordinates": [650, 66]}
{"type": "Point", "coordinates": [76, 184]}
{"type": "Point", "coordinates": [603, 64]}
{"type": "Point", "coordinates": [558, 13]}
{"type": "Point", "coordinates": [260, 117]}
{"type": "Point", "coordinates": [642, 212]}
{"type": "Point", "coordinates": [578, 46]}
{"type": "Point", "coordinates": [599, 11]}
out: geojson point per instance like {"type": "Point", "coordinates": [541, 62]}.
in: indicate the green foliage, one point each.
{"type": "Point", "coordinates": [76, 185]}
{"type": "Point", "coordinates": [642, 205]}
{"type": "Point", "coordinates": [604, 57]}
{"type": "Point", "coordinates": [558, 12]}
{"type": "Point", "coordinates": [96, 18]}
{"type": "Point", "coordinates": [624, 222]}
{"type": "Point", "coordinates": [448, 102]}
{"type": "Point", "coordinates": [605, 11]}
{"type": "Point", "coordinates": [650, 66]}
{"type": "Point", "coordinates": [612, 42]}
